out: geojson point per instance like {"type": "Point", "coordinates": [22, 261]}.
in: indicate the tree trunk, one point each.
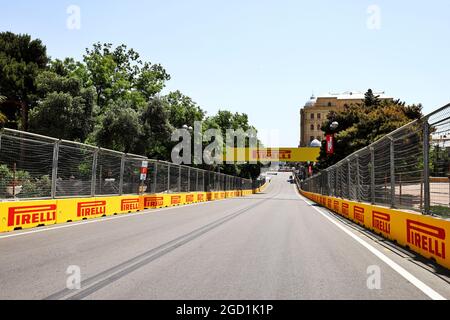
{"type": "Point", "coordinates": [24, 114]}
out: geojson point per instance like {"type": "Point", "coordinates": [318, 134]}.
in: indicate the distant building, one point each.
{"type": "Point", "coordinates": [316, 110]}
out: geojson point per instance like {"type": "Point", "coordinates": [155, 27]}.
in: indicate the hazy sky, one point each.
{"type": "Point", "coordinates": [264, 58]}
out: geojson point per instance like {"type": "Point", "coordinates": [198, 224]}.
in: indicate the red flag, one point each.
{"type": "Point", "coordinates": [330, 144]}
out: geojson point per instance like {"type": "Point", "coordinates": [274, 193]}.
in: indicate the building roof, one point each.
{"type": "Point", "coordinates": [356, 95]}
{"type": "Point", "coordinates": [311, 102]}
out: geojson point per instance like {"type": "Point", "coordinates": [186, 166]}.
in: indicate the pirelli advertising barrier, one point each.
{"type": "Point", "coordinates": [16, 215]}
{"type": "Point", "coordinates": [426, 235]}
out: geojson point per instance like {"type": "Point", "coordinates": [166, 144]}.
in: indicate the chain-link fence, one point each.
{"type": "Point", "coordinates": [34, 166]}
{"type": "Point", "coordinates": [401, 170]}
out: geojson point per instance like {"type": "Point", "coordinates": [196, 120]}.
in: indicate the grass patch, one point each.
{"type": "Point", "coordinates": [441, 211]}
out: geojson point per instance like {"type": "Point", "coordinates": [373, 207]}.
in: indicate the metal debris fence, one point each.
{"type": "Point", "coordinates": [400, 170]}
{"type": "Point", "coordinates": [39, 167]}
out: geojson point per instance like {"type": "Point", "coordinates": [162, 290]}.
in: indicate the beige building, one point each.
{"type": "Point", "coordinates": [316, 110]}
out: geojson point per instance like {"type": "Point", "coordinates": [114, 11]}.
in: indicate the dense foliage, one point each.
{"type": "Point", "coordinates": [112, 99]}
{"type": "Point", "coordinates": [364, 123]}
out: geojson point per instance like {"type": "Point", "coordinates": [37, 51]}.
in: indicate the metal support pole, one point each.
{"type": "Point", "coordinates": [189, 179]}
{"type": "Point", "coordinates": [349, 179]}
{"type": "Point", "coordinates": [328, 182]}
{"type": "Point", "coordinates": [168, 178]}
{"type": "Point", "coordinates": [196, 180]}
{"type": "Point", "coordinates": [203, 181]}
{"type": "Point", "coordinates": [179, 178]}
{"type": "Point", "coordinates": [392, 158]}
{"type": "Point", "coordinates": [426, 167]}
{"type": "Point", "coordinates": [122, 172]}
{"type": "Point", "coordinates": [335, 182]}
{"type": "Point", "coordinates": [358, 182]}
{"type": "Point", "coordinates": [94, 172]}
{"type": "Point", "coordinates": [155, 177]}
{"type": "Point", "coordinates": [54, 168]}
{"type": "Point", "coordinates": [372, 175]}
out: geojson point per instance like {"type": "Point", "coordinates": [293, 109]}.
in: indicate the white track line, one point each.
{"type": "Point", "coordinates": [103, 219]}
{"type": "Point", "coordinates": [400, 270]}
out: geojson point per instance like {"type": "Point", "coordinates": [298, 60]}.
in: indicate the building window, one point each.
{"type": "Point", "coordinates": [318, 116]}
{"type": "Point", "coordinates": [329, 104]}
{"type": "Point", "coordinates": [318, 127]}
{"type": "Point", "coordinates": [311, 139]}
{"type": "Point", "coordinates": [312, 116]}
{"type": "Point", "coordinates": [312, 127]}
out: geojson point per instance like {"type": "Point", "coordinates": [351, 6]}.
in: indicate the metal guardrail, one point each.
{"type": "Point", "coordinates": [39, 167]}
{"type": "Point", "coordinates": [399, 170]}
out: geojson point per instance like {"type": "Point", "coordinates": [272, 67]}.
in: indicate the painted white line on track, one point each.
{"type": "Point", "coordinates": [400, 270]}
{"type": "Point", "coordinates": [104, 219]}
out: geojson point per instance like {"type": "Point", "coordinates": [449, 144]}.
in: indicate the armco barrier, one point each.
{"type": "Point", "coordinates": [29, 214]}
{"type": "Point", "coordinates": [426, 235]}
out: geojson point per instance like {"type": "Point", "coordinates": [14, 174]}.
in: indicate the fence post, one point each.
{"type": "Point", "coordinates": [155, 177]}
{"type": "Point", "coordinates": [196, 180]}
{"type": "Point", "coordinates": [54, 168]}
{"type": "Point", "coordinates": [168, 178]}
{"type": "Point", "coordinates": [372, 175]}
{"type": "Point", "coordinates": [328, 182]}
{"type": "Point", "coordinates": [122, 172]}
{"type": "Point", "coordinates": [358, 180]}
{"type": "Point", "coordinates": [189, 179]}
{"type": "Point", "coordinates": [94, 172]}
{"type": "Point", "coordinates": [426, 166]}
{"type": "Point", "coordinates": [179, 178]}
{"type": "Point", "coordinates": [335, 181]}
{"type": "Point", "coordinates": [392, 165]}
{"type": "Point", "coordinates": [349, 179]}
{"type": "Point", "coordinates": [203, 182]}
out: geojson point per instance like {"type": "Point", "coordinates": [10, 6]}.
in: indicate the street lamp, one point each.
{"type": "Point", "coordinates": [334, 125]}
{"type": "Point", "coordinates": [330, 138]}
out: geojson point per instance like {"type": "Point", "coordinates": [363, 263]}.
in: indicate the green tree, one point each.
{"type": "Point", "coordinates": [21, 60]}
{"type": "Point", "coordinates": [156, 141]}
{"type": "Point", "coordinates": [361, 125]}
{"type": "Point", "coordinates": [118, 72]}
{"type": "Point", "coordinates": [3, 118]}
{"type": "Point", "coordinates": [224, 120]}
{"type": "Point", "coordinates": [65, 109]}
{"type": "Point", "coordinates": [182, 110]}
{"type": "Point", "coordinates": [118, 127]}
{"type": "Point", "coordinates": [71, 68]}
{"type": "Point", "coordinates": [371, 100]}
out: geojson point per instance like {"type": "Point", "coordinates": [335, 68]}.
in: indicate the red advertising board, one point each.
{"type": "Point", "coordinates": [330, 144]}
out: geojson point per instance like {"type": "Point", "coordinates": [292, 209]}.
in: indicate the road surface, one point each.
{"type": "Point", "coordinates": [274, 245]}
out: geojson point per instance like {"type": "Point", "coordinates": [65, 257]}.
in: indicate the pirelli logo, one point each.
{"type": "Point", "coordinates": [129, 204]}
{"type": "Point", "coordinates": [336, 205]}
{"type": "Point", "coordinates": [358, 214]}
{"type": "Point", "coordinates": [222, 194]}
{"type": "Point", "coordinates": [329, 203]}
{"type": "Point", "coordinates": [381, 221]}
{"type": "Point", "coordinates": [189, 198]}
{"type": "Point", "coordinates": [200, 197]}
{"type": "Point", "coordinates": [91, 208]}
{"type": "Point", "coordinates": [175, 199]}
{"type": "Point", "coordinates": [426, 237]}
{"type": "Point", "coordinates": [153, 202]}
{"type": "Point", "coordinates": [345, 209]}
{"type": "Point", "coordinates": [18, 216]}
